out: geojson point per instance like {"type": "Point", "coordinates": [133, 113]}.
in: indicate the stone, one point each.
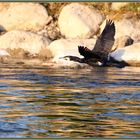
{"type": "Point", "coordinates": [23, 15]}
{"type": "Point", "coordinates": [79, 21]}
{"type": "Point", "coordinates": [125, 27]}
{"type": "Point", "coordinates": [19, 42]}
{"type": "Point", "coordinates": [129, 54]}
{"type": "Point", "coordinates": [4, 53]}
{"type": "Point", "coordinates": [129, 28]}
{"type": "Point", "coordinates": [122, 41]}
{"type": "Point", "coordinates": [66, 47]}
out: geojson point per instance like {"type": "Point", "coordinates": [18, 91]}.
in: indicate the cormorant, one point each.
{"type": "Point", "coordinates": [101, 50]}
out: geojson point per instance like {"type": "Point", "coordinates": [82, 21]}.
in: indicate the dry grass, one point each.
{"type": "Point", "coordinates": [132, 10]}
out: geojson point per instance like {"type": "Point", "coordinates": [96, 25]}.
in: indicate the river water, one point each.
{"type": "Point", "coordinates": [40, 102]}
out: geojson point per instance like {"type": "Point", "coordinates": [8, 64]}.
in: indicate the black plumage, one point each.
{"type": "Point", "coordinates": [101, 50]}
{"type": "Point", "coordinates": [103, 44]}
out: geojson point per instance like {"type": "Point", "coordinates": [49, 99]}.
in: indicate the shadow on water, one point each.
{"type": "Point", "coordinates": [39, 102]}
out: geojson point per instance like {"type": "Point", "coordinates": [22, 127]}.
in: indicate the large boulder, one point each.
{"type": "Point", "coordinates": [122, 41]}
{"type": "Point", "coordinates": [128, 27]}
{"type": "Point", "coordinates": [125, 27]}
{"type": "Point", "coordinates": [26, 16]}
{"type": "Point", "coordinates": [79, 21]}
{"type": "Point", "coordinates": [129, 54]}
{"type": "Point", "coordinates": [25, 40]}
{"type": "Point", "coordinates": [66, 47]}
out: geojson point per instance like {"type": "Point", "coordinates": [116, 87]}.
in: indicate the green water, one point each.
{"type": "Point", "coordinates": [39, 102]}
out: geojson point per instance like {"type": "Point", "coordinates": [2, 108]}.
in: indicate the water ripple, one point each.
{"type": "Point", "coordinates": [39, 102]}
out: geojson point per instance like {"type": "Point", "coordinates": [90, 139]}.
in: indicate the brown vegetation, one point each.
{"type": "Point", "coordinates": [132, 10]}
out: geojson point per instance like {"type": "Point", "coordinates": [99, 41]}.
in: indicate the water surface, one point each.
{"type": "Point", "coordinates": [40, 102]}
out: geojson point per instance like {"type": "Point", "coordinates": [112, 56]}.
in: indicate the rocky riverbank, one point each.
{"type": "Point", "coordinates": [49, 31]}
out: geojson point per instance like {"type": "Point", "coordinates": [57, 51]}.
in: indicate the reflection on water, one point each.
{"type": "Point", "coordinates": [40, 102]}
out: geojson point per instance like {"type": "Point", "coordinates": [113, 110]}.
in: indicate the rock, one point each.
{"type": "Point", "coordinates": [125, 27]}
{"type": "Point", "coordinates": [128, 27]}
{"type": "Point", "coordinates": [18, 41]}
{"type": "Point", "coordinates": [136, 33]}
{"type": "Point", "coordinates": [129, 54]}
{"type": "Point", "coordinates": [122, 42]}
{"type": "Point", "coordinates": [79, 21]}
{"type": "Point", "coordinates": [66, 47]}
{"type": "Point", "coordinates": [4, 53]}
{"type": "Point", "coordinates": [4, 56]}
{"type": "Point", "coordinates": [118, 5]}
{"type": "Point", "coordinates": [26, 16]}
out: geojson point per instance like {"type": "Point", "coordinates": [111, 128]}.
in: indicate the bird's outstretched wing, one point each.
{"type": "Point", "coordinates": [103, 44]}
{"type": "Point", "coordinates": [87, 53]}
{"type": "Point", "coordinates": [105, 41]}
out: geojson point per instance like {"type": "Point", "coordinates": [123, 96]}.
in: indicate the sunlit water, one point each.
{"type": "Point", "coordinates": [40, 102]}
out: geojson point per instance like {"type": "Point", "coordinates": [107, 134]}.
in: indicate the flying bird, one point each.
{"type": "Point", "coordinates": [102, 46]}
{"type": "Point", "coordinates": [101, 50]}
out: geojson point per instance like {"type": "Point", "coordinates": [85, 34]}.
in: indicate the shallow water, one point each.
{"type": "Point", "coordinates": [40, 102]}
